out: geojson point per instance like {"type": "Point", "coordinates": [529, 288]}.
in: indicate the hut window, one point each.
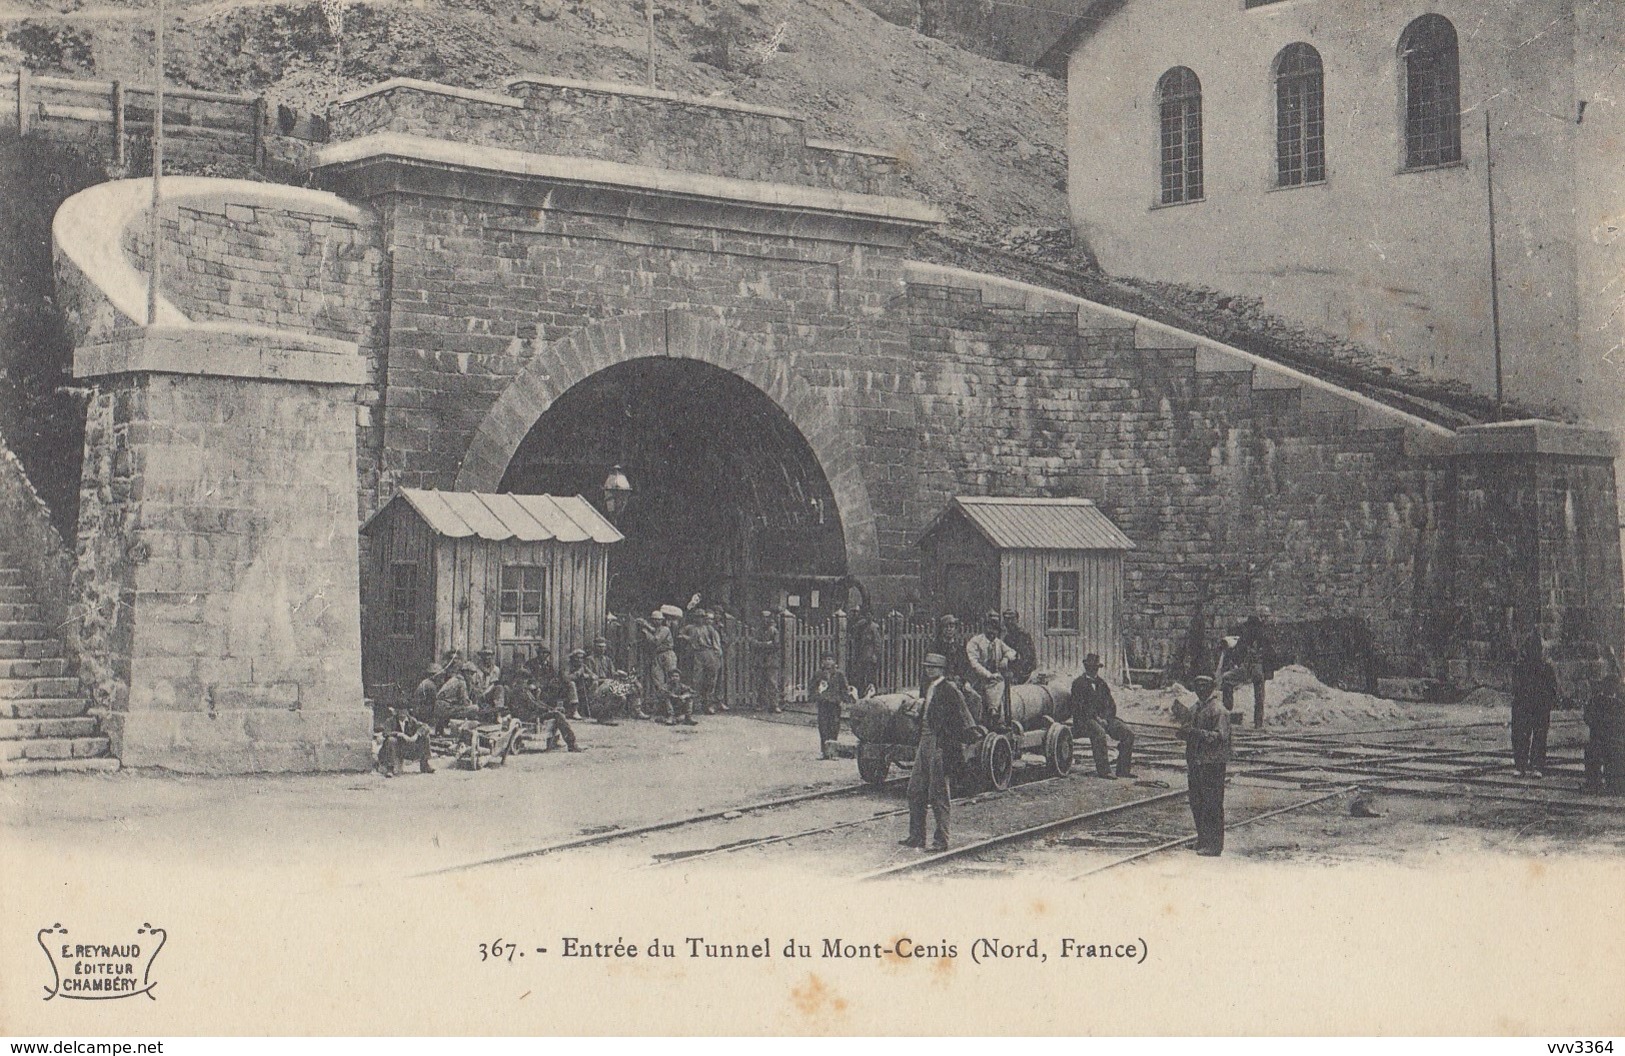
{"type": "Point", "coordinates": [522, 590]}
{"type": "Point", "coordinates": [403, 599]}
{"type": "Point", "coordinates": [1062, 610]}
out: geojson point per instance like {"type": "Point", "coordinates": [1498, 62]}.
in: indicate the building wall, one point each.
{"type": "Point", "coordinates": [1024, 587]}
{"type": "Point", "coordinates": [1398, 260]}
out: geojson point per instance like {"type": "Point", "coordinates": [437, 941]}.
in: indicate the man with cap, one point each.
{"type": "Point", "coordinates": [530, 705]}
{"type": "Point", "coordinates": [1020, 643]}
{"type": "Point", "coordinates": [1094, 713]}
{"type": "Point", "coordinates": [944, 723]}
{"type": "Point", "coordinates": [575, 673]}
{"type": "Point", "coordinates": [423, 696]}
{"type": "Point", "coordinates": [989, 656]}
{"type": "Point", "coordinates": [452, 700]}
{"type": "Point", "coordinates": [705, 660]}
{"type": "Point", "coordinates": [598, 668]}
{"type": "Point", "coordinates": [1205, 730]}
{"type": "Point", "coordinates": [867, 645]}
{"type": "Point", "coordinates": [767, 658]}
{"type": "Point", "coordinates": [404, 738]}
{"type": "Point", "coordinates": [494, 694]}
{"type": "Point", "coordinates": [828, 690]}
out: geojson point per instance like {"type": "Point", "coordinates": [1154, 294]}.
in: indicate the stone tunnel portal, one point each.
{"type": "Point", "coordinates": [728, 501]}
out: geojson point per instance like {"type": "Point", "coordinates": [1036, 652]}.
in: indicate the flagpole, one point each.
{"type": "Point", "coordinates": [157, 168]}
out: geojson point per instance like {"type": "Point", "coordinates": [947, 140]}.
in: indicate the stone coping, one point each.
{"type": "Point", "coordinates": [589, 171]}
{"type": "Point", "coordinates": [1537, 436]}
{"type": "Point", "coordinates": [224, 350]}
{"type": "Point", "coordinates": [431, 88]}
{"type": "Point", "coordinates": [637, 92]}
{"type": "Point", "coordinates": [89, 228]}
{"type": "Point", "coordinates": [1170, 336]}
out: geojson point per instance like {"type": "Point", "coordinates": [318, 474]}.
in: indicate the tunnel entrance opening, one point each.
{"type": "Point", "coordinates": [729, 501]}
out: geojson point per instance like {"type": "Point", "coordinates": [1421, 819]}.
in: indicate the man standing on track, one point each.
{"type": "Point", "coordinates": [943, 725]}
{"type": "Point", "coordinates": [1094, 713]}
{"type": "Point", "coordinates": [828, 690]}
{"type": "Point", "coordinates": [1534, 695]}
{"type": "Point", "coordinates": [1206, 733]}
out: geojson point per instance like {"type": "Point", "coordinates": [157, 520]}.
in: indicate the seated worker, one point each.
{"type": "Point", "coordinates": [599, 670]}
{"type": "Point", "coordinates": [404, 738]}
{"type": "Point", "coordinates": [580, 688]}
{"type": "Point", "coordinates": [526, 706]}
{"type": "Point", "coordinates": [1094, 713]}
{"type": "Point", "coordinates": [551, 687]}
{"type": "Point", "coordinates": [452, 700]}
{"type": "Point", "coordinates": [493, 693]}
{"type": "Point", "coordinates": [828, 689]}
{"type": "Point", "coordinates": [423, 696]}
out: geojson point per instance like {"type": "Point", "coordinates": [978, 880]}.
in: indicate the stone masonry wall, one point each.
{"type": "Point", "coordinates": [1238, 500]}
{"type": "Point", "coordinates": [284, 269]}
{"type": "Point", "coordinates": [479, 289]}
{"type": "Point", "coordinates": [220, 521]}
{"type": "Point", "coordinates": [658, 131]}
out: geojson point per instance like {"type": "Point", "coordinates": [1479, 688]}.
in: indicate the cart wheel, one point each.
{"type": "Point", "coordinates": [873, 771]}
{"type": "Point", "coordinates": [995, 762]}
{"type": "Point", "coordinates": [1058, 750]}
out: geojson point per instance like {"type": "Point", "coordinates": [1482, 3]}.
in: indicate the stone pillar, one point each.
{"type": "Point", "coordinates": [1536, 548]}
{"type": "Point", "coordinates": [218, 567]}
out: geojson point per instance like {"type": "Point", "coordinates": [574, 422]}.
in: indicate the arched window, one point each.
{"type": "Point", "coordinates": [1179, 104]}
{"type": "Point", "coordinates": [1432, 92]}
{"type": "Point", "coordinates": [1300, 117]}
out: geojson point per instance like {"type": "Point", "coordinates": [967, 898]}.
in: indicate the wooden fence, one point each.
{"type": "Point", "coordinates": [904, 644]}
{"type": "Point", "coordinates": [115, 120]}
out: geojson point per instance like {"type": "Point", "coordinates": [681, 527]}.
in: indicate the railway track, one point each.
{"type": "Point", "coordinates": [1277, 769]}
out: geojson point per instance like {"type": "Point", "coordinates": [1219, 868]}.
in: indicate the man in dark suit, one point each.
{"type": "Point", "coordinates": [404, 738]}
{"type": "Point", "coordinates": [1534, 695]}
{"type": "Point", "coordinates": [944, 723]}
{"type": "Point", "coordinates": [1206, 733]}
{"type": "Point", "coordinates": [1026, 661]}
{"type": "Point", "coordinates": [1094, 714]}
{"type": "Point", "coordinates": [828, 690]}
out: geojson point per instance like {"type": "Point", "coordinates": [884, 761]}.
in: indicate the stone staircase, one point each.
{"type": "Point", "coordinates": [45, 725]}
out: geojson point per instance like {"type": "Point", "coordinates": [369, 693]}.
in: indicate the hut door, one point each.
{"type": "Point", "coordinates": [969, 590]}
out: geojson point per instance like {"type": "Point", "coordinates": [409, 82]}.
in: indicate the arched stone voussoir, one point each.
{"type": "Point", "coordinates": [557, 366]}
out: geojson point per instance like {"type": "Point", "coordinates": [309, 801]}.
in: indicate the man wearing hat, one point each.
{"type": "Point", "coordinates": [404, 738]}
{"type": "Point", "coordinates": [990, 657]}
{"type": "Point", "coordinates": [1205, 730]}
{"type": "Point", "coordinates": [1020, 643]}
{"type": "Point", "coordinates": [451, 700]}
{"type": "Point", "coordinates": [867, 645]}
{"type": "Point", "coordinates": [828, 690]}
{"type": "Point", "coordinates": [705, 660]}
{"type": "Point", "coordinates": [662, 649]}
{"type": "Point", "coordinates": [944, 722]}
{"type": "Point", "coordinates": [767, 658]}
{"type": "Point", "coordinates": [423, 696]}
{"type": "Point", "coordinates": [495, 694]}
{"type": "Point", "coordinates": [1094, 713]}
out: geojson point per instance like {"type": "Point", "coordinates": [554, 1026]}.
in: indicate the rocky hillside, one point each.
{"type": "Point", "coordinates": [981, 138]}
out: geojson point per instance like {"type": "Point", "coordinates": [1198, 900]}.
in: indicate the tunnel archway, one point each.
{"type": "Point", "coordinates": [767, 368]}
{"type": "Point", "coordinates": [729, 500]}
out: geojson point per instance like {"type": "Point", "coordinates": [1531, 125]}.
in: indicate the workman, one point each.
{"type": "Point", "coordinates": [404, 738]}
{"type": "Point", "coordinates": [1206, 733]}
{"type": "Point", "coordinates": [1250, 660]}
{"type": "Point", "coordinates": [989, 657]}
{"type": "Point", "coordinates": [1094, 714]}
{"type": "Point", "coordinates": [944, 725]}
{"type": "Point", "coordinates": [1534, 695]}
{"type": "Point", "coordinates": [828, 690]}
{"type": "Point", "coordinates": [766, 649]}
{"type": "Point", "coordinates": [1020, 643]}
{"type": "Point", "coordinates": [705, 660]}
{"type": "Point", "coordinates": [868, 644]}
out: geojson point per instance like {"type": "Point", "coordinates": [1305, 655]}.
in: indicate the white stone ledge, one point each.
{"type": "Point", "coordinates": [590, 171]}
{"type": "Point", "coordinates": [1165, 336]}
{"type": "Point", "coordinates": [473, 95]}
{"type": "Point", "coordinates": [637, 92]}
{"type": "Point", "coordinates": [224, 350]}
{"type": "Point", "coordinates": [1537, 436]}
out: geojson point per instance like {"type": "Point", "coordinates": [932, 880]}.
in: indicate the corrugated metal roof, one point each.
{"type": "Point", "coordinates": [528, 518]}
{"type": "Point", "coordinates": [1039, 524]}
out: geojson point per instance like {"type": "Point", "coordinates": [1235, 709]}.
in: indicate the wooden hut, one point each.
{"type": "Point", "coordinates": [1056, 562]}
{"type": "Point", "coordinates": [468, 571]}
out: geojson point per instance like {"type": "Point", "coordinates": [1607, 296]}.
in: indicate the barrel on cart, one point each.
{"type": "Point", "coordinates": [888, 731]}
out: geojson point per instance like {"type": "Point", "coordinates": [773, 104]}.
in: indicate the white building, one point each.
{"type": "Point", "coordinates": [1330, 157]}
